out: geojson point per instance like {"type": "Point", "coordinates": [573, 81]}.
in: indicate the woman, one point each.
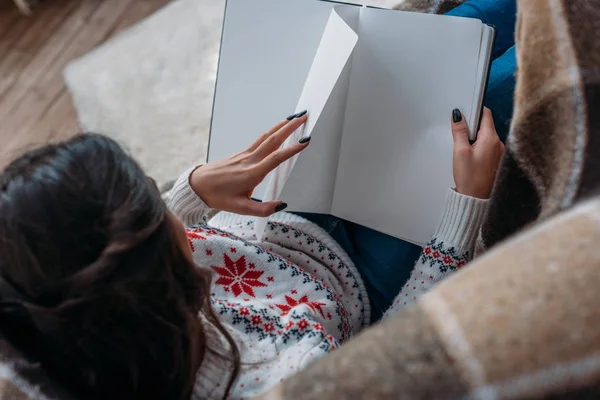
{"type": "Point", "coordinates": [104, 286]}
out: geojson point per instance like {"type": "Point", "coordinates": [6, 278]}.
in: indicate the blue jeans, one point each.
{"type": "Point", "coordinates": [383, 261]}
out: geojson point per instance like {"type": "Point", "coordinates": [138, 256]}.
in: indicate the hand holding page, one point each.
{"type": "Point", "coordinates": [334, 51]}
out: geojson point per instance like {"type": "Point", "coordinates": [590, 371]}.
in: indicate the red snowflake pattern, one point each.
{"type": "Point", "coordinates": [303, 324]}
{"type": "Point", "coordinates": [291, 303]}
{"type": "Point", "coordinates": [235, 276]}
{"type": "Point", "coordinates": [195, 234]}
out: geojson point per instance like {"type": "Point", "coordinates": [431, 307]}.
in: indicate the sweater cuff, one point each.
{"type": "Point", "coordinates": [185, 203]}
{"type": "Point", "coordinates": [461, 220]}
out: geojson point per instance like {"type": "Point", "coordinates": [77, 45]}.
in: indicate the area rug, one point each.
{"type": "Point", "coordinates": [151, 87]}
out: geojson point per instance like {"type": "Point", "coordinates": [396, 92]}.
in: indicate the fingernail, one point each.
{"type": "Point", "coordinates": [304, 139]}
{"type": "Point", "coordinates": [456, 115]}
{"type": "Point", "coordinates": [291, 117]}
{"type": "Point", "coordinates": [301, 114]}
{"type": "Point", "coordinates": [281, 207]}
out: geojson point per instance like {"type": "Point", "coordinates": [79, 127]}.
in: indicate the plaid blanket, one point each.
{"type": "Point", "coordinates": [521, 321]}
{"type": "Point", "coordinates": [553, 153]}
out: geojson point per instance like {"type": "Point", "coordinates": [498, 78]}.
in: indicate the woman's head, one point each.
{"type": "Point", "coordinates": [96, 281]}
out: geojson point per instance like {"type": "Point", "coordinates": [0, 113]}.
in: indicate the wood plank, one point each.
{"type": "Point", "coordinates": [27, 47]}
{"type": "Point", "coordinates": [136, 12]}
{"type": "Point", "coordinates": [42, 23]}
{"type": "Point", "coordinates": [7, 19]}
{"type": "Point", "coordinates": [41, 62]}
{"type": "Point", "coordinates": [31, 107]}
{"type": "Point", "coordinates": [62, 118]}
{"type": "Point", "coordinates": [58, 123]}
{"type": "Point", "coordinates": [37, 108]}
{"type": "Point", "coordinates": [19, 27]}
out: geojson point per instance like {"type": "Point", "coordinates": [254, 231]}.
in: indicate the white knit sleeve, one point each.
{"type": "Point", "coordinates": [449, 249]}
{"type": "Point", "coordinates": [185, 203]}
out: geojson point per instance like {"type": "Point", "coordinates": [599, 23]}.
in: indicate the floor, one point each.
{"type": "Point", "coordinates": [35, 106]}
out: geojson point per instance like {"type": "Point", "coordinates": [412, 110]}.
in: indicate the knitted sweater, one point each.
{"type": "Point", "coordinates": [295, 296]}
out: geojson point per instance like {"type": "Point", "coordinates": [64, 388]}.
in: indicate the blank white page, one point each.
{"type": "Point", "coordinates": [409, 72]}
{"type": "Point", "coordinates": [267, 50]}
{"type": "Point", "coordinates": [309, 177]}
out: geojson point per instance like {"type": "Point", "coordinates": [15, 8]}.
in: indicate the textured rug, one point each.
{"type": "Point", "coordinates": [151, 87]}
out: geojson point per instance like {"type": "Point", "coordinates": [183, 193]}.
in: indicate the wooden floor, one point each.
{"type": "Point", "coordinates": [35, 106]}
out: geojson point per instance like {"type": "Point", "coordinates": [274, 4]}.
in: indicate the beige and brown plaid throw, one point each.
{"type": "Point", "coordinates": [523, 320]}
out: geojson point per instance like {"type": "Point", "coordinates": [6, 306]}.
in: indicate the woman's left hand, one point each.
{"type": "Point", "coordinates": [228, 184]}
{"type": "Point", "coordinates": [475, 165]}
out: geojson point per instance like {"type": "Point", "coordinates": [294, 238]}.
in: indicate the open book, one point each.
{"type": "Point", "coordinates": [379, 87]}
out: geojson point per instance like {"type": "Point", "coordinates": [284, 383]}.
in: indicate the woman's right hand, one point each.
{"type": "Point", "coordinates": [228, 184]}
{"type": "Point", "coordinates": [475, 165]}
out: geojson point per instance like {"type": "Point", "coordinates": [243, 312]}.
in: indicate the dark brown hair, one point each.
{"type": "Point", "coordinates": [93, 283]}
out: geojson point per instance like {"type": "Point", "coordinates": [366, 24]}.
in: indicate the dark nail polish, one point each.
{"type": "Point", "coordinates": [301, 114]}
{"type": "Point", "coordinates": [291, 117]}
{"type": "Point", "coordinates": [456, 115]}
{"type": "Point", "coordinates": [304, 139]}
{"type": "Point", "coordinates": [281, 207]}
